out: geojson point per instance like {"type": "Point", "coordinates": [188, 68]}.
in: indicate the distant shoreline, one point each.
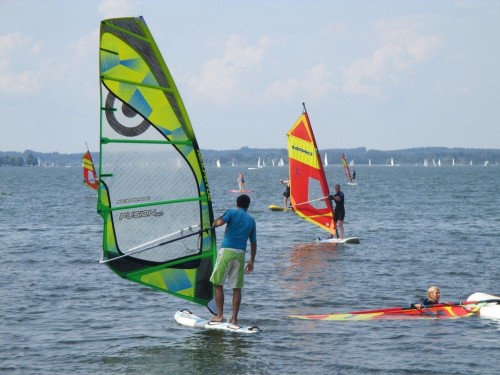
{"type": "Point", "coordinates": [246, 156]}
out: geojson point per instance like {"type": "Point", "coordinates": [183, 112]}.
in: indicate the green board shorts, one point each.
{"type": "Point", "coordinates": [230, 265]}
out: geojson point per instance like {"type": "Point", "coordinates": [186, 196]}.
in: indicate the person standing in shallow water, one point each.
{"type": "Point", "coordinates": [230, 264]}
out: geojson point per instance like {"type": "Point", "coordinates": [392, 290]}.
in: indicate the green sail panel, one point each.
{"type": "Point", "coordinates": [153, 194]}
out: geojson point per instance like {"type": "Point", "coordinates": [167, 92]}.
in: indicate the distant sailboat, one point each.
{"type": "Point", "coordinates": [471, 162]}
{"type": "Point", "coordinates": [351, 163]}
{"type": "Point", "coordinates": [439, 162]}
{"type": "Point", "coordinates": [218, 163]}
{"type": "Point", "coordinates": [453, 162]}
{"type": "Point", "coordinates": [281, 163]}
{"type": "Point", "coordinates": [486, 163]}
{"type": "Point", "coordinates": [258, 165]}
{"type": "Point", "coordinates": [263, 164]}
{"type": "Point", "coordinates": [370, 162]}
{"type": "Point", "coordinates": [326, 160]}
{"type": "Point", "coordinates": [425, 163]}
{"type": "Point", "coordinates": [392, 162]}
{"type": "Point", "coordinates": [89, 173]}
{"type": "Point", "coordinates": [272, 161]}
{"type": "Point", "coordinates": [433, 162]}
{"type": "Point", "coordinates": [346, 170]}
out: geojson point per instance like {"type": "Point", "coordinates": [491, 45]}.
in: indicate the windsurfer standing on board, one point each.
{"type": "Point", "coordinates": [231, 257]}
{"type": "Point", "coordinates": [241, 181]}
{"type": "Point", "coordinates": [286, 193]}
{"type": "Point", "coordinates": [433, 295]}
{"type": "Point", "coordinates": [339, 213]}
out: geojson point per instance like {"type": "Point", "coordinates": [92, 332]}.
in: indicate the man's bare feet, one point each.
{"type": "Point", "coordinates": [217, 319]}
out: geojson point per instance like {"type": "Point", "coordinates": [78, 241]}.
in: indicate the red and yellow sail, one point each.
{"type": "Point", "coordinates": [346, 167]}
{"type": "Point", "coordinates": [89, 173]}
{"type": "Point", "coordinates": [308, 186]}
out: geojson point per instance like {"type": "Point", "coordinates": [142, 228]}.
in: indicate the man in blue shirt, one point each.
{"type": "Point", "coordinates": [230, 263]}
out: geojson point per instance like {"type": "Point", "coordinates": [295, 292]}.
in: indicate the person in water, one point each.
{"type": "Point", "coordinates": [286, 193]}
{"type": "Point", "coordinates": [230, 264]}
{"type": "Point", "coordinates": [339, 212]}
{"type": "Point", "coordinates": [433, 295]}
{"type": "Point", "coordinates": [353, 174]}
{"type": "Point", "coordinates": [241, 182]}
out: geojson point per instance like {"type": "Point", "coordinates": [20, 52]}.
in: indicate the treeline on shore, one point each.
{"type": "Point", "coordinates": [249, 156]}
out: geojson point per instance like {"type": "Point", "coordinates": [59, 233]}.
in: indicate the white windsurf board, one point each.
{"type": "Point", "coordinates": [348, 240]}
{"type": "Point", "coordinates": [188, 319]}
{"type": "Point", "coordinates": [490, 310]}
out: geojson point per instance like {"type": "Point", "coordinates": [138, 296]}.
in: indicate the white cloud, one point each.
{"type": "Point", "coordinates": [223, 78]}
{"type": "Point", "coordinates": [316, 82]}
{"type": "Point", "coordinates": [19, 64]}
{"type": "Point", "coordinates": [117, 8]}
{"type": "Point", "coordinates": [401, 49]}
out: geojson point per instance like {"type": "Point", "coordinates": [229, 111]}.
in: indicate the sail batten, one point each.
{"type": "Point", "coordinates": [154, 196]}
{"type": "Point", "coordinates": [109, 140]}
{"type": "Point", "coordinates": [308, 186]}
{"type": "Point", "coordinates": [138, 83]}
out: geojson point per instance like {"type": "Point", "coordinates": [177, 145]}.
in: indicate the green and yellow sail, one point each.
{"type": "Point", "coordinates": [153, 192]}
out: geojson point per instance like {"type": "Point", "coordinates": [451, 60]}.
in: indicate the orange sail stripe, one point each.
{"type": "Point", "coordinates": [308, 186]}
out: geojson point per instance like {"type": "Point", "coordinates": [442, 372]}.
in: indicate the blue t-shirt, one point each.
{"type": "Point", "coordinates": [240, 227]}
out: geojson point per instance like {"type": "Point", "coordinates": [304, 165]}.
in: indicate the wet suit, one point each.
{"type": "Point", "coordinates": [339, 206]}
{"type": "Point", "coordinates": [286, 193]}
{"type": "Point", "coordinates": [425, 303]}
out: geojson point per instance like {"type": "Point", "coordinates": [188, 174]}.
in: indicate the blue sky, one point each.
{"type": "Point", "coordinates": [380, 74]}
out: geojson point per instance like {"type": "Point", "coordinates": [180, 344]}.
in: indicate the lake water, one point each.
{"type": "Point", "coordinates": [63, 312]}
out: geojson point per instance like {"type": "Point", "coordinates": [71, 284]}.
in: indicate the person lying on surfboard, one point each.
{"type": "Point", "coordinates": [433, 295]}
{"type": "Point", "coordinates": [230, 262]}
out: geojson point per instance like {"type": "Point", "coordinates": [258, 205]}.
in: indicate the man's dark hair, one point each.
{"type": "Point", "coordinates": [243, 201]}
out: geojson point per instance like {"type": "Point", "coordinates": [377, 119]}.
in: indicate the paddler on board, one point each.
{"type": "Point", "coordinates": [241, 181]}
{"type": "Point", "coordinates": [230, 262]}
{"type": "Point", "coordinates": [433, 295]}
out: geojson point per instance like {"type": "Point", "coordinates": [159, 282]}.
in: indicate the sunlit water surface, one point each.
{"type": "Point", "coordinates": [63, 312]}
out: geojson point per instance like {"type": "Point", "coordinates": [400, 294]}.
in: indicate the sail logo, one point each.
{"type": "Point", "coordinates": [133, 200]}
{"type": "Point", "coordinates": [309, 153]}
{"type": "Point", "coordinates": [140, 214]}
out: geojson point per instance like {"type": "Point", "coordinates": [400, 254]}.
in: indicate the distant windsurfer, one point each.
{"type": "Point", "coordinates": [230, 262]}
{"type": "Point", "coordinates": [339, 212]}
{"type": "Point", "coordinates": [433, 295]}
{"type": "Point", "coordinates": [241, 182]}
{"type": "Point", "coordinates": [286, 193]}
